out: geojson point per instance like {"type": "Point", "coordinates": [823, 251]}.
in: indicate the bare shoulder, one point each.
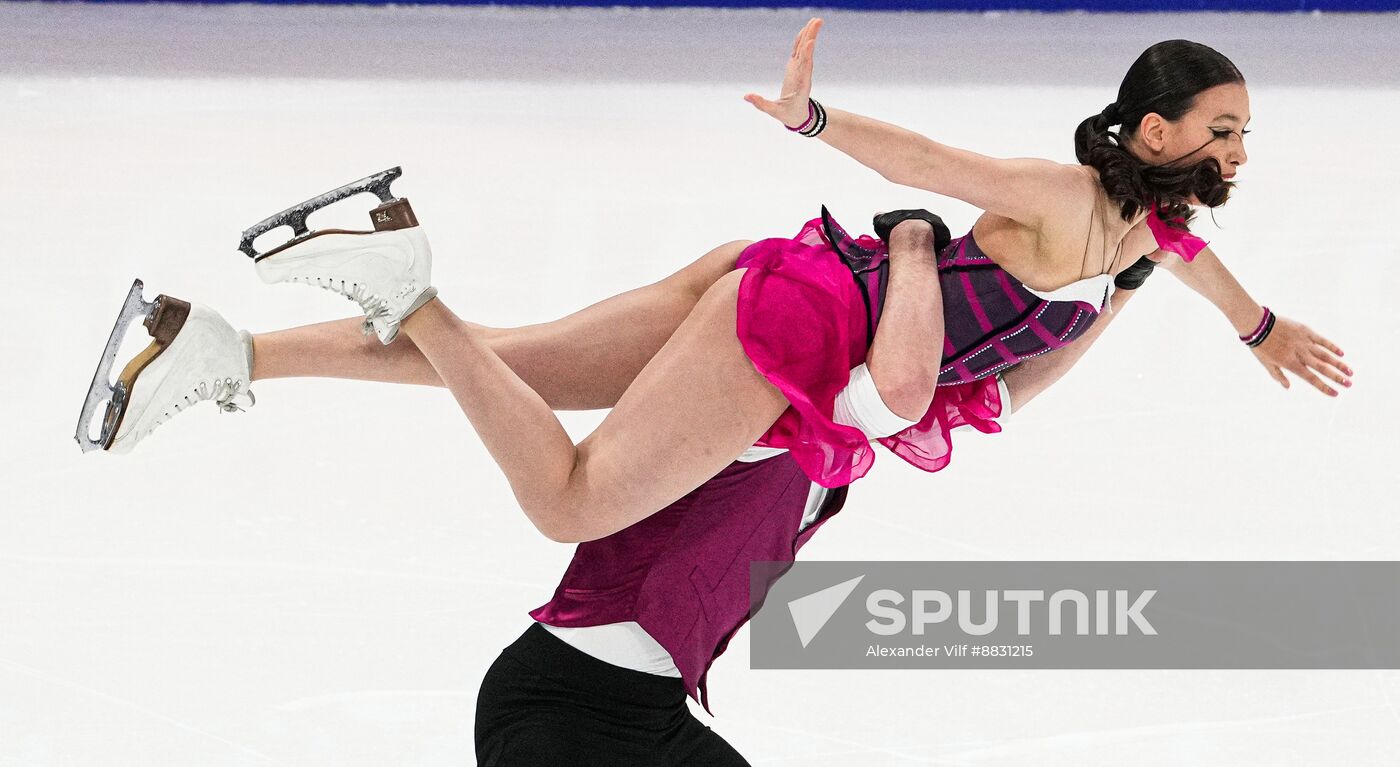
{"type": "Point", "coordinates": [1046, 191]}
{"type": "Point", "coordinates": [1069, 213]}
{"type": "Point", "coordinates": [1046, 249]}
{"type": "Point", "coordinates": [1073, 241]}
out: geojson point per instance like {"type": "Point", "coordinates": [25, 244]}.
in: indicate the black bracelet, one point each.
{"type": "Point", "coordinates": [1258, 336]}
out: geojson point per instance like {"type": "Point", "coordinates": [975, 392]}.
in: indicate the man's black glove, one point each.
{"type": "Point", "coordinates": [1133, 277]}
{"type": "Point", "coordinates": [886, 222]}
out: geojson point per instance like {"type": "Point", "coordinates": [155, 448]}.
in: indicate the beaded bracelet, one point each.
{"type": "Point", "coordinates": [816, 120]}
{"type": "Point", "coordinates": [811, 116]}
{"type": "Point", "coordinates": [1261, 332]}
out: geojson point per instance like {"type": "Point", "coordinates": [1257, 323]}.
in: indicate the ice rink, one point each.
{"type": "Point", "coordinates": [324, 579]}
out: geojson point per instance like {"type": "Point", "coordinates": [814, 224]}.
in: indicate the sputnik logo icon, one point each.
{"type": "Point", "coordinates": [811, 613]}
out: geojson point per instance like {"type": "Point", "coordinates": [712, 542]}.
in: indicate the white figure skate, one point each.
{"type": "Point", "coordinates": [194, 355]}
{"type": "Point", "coordinates": [386, 271]}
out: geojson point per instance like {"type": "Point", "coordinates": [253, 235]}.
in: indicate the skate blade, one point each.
{"type": "Point", "coordinates": [393, 213]}
{"type": "Point", "coordinates": [163, 317]}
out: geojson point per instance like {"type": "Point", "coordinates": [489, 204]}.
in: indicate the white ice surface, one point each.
{"type": "Point", "coordinates": [325, 578]}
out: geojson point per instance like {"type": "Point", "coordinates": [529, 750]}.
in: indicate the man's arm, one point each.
{"type": "Point", "coordinates": [1028, 378]}
{"type": "Point", "coordinates": [908, 349]}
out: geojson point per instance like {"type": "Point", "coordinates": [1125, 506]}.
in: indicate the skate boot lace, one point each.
{"type": "Point", "coordinates": [374, 306]}
{"type": "Point", "coordinates": [222, 391]}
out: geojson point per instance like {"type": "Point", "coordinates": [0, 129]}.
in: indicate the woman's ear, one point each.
{"type": "Point", "coordinates": [1152, 132]}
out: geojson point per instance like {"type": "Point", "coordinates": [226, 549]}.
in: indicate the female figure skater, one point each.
{"type": "Point", "coordinates": [666, 549]}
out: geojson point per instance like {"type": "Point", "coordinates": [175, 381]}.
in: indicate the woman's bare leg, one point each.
{"type": "Point", "coordinates": [691, 410]}
{"type": "Point", "coordinates": [583, 361]}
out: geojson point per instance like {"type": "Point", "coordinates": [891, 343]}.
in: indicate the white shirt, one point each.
{"type": "Point", "coordinates": [628, 645]}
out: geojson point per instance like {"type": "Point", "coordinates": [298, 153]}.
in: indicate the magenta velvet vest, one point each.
{"type": "Point", "coordinates": [683, 572]}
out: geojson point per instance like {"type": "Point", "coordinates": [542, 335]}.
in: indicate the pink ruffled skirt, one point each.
{"type": "Point", "coordinates": [804, 322]}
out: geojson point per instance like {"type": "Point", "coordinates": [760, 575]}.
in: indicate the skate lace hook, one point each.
{"type": "Point", "coordinates": [223, 391]}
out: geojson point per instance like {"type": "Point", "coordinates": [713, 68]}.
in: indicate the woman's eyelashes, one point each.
{"type": "Point", "coordinates": [1222, 133]}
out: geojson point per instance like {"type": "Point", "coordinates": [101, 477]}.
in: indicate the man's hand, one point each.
{"type": "Point", "coordinates": [912, 235]}
{"type": "Point", "coordinates": [910, 230]}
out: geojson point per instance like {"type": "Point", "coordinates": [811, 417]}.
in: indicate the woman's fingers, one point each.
{"type": "Point", "coordinates": [791, 107]}
{"type": "Point", "coordinates": [1331, 347]}
{"type": "Point", "coordinates": [763, 104]}
{"type": "Point", "coordinates": [1311, 377]}
{"type": "Point", "coordinates": [1301, 366]}
{"type": "Point", "coordinates": [801, 64]}
{"type": "Point", "coordinates": [800, 67]}
{"type": "Point", "coordinates": [806, 36]}
{"type": "Point", "coordinates": [770, 108]}
{"type": "Point", "coordinates": [1277, 373]}
{"type": "Point", "coordinates": [1332, 368]}
{"type": "Point", "coordinates": [1317, 339]}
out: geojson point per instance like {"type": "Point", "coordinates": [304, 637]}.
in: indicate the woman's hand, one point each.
{"type": "Point", "coordinates": [1294, 347]}
{"type": "Point", "coordinates": [791, 107]}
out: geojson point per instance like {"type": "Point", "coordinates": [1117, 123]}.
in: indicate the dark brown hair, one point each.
{"type": "Point", "coordinates": [1165, 79]}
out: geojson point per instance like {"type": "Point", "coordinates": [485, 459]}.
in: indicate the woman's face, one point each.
{"type": "Point", "coordinates": [1214, 127]}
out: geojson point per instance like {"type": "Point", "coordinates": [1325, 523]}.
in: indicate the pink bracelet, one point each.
{"type": "Point", "coordinates": [1260, 332]}
{"type": "Point", "coordinates": [811, 117]}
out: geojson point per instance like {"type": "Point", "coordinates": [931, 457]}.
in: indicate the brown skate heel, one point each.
{"type": "Point", "coordinates": [164, 323]}
{"type": "Point", "coordinates": [164, 317]}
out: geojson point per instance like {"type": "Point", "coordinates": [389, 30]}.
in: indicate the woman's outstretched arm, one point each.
{"type": "Point", "coordinates": [1029, 191]}
{"type": "Point", "coordinates": [1290, 346]}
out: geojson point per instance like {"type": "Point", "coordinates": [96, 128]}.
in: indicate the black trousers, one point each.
{"type": "Point", "coordinates": [545, 703]}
